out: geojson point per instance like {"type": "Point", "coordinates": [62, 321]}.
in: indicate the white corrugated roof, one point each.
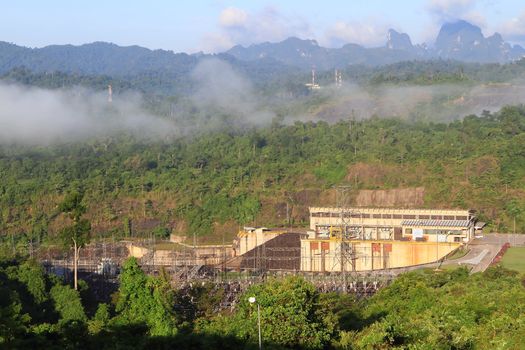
{"type": "Point", "coordinates": [442, 223]}
{"type": "Point", "coordinates": [480, 225]}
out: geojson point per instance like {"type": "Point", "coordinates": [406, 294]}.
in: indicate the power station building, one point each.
{"type": "Point", "coordinates": [427, 225]}
{"type": "Point", "coordinates": [364, 239]}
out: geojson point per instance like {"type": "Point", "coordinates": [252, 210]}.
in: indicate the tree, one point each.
{"type": "Point", "coordinates": [67, 303]}
{"type": "Point", "coordinates": [100, 319]}
{"type": "Point", "coordinates": [290, 316]}
{"type": "Point", "coordinates": [12, 321]}
{"type": "Point", "coordinates": [145, 299]}
{"type": "Point", "coordinates": [78, 232]}
{"type": "Point", "coordinates": [33, 276]}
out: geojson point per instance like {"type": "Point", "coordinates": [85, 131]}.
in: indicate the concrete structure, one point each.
{"type": "Point", "coordinates": [184, 255]}
{"type": "Point", "coordinates": [423, 225]}
{"type": "Point", "coordinates": [251, 237]}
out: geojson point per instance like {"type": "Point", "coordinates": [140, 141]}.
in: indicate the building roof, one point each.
{"type": "Point", "coordinates": [443, 223]}
{"type": "Point", "coordinates": [358, 210]}
{"type": "Point", "coordinates": [479, 225]}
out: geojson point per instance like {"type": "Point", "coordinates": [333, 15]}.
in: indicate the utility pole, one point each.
{"type": "Point", "coordinates": [194, 248]}
{"type": "Point", "coordinates": [75, 264]}
{"type": "Point", "coordinates": [259, 325]}
{"type": "Point", "coordinates": [252, 300]}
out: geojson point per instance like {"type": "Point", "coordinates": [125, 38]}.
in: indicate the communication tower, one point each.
{"type": "Point", "coordinates": [313, 85]}
{"type": "Point", "coordinates": [338, 78]}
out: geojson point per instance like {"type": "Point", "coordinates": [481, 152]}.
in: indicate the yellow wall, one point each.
{"type": "Point", "coordinates": [366, 258]}
{"type": "Point", "coordinates": [136, 251]}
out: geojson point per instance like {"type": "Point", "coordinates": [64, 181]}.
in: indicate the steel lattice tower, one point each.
{"type": "Point", "coordinates": [345, 252]}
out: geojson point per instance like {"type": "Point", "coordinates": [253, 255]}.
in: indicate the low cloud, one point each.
{"type": "Point", "coordinates": [514, 29]}
{"type": "Point", "coordinates": [37, 116]}
{"type": "Point", "coordinates": [223, 98]}
{"type": "Point", "coordinates": [451, 10]}
{"type": "Point", "coordinates": [368, 33]}
{"type": "Point", "coordinates": [435, 103]}
{"type": "Point", "coordinates": [223, 91]}
{"type": "Point", "coordinates": [237, 26]}
{"type": "Point", "coordinates": [233, 17]}
{"type": "Point", "coordinates": [445, 11]}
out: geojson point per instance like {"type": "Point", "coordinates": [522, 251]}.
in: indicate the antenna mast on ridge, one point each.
{"type": "Point", "coordinates": [313, 85]}
{"type": "Point", "coordinates": [110, 94]}
{"type": "Point", "coordinates": [338, 77]}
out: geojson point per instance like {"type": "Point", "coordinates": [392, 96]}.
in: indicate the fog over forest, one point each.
{"type": "Point", "coordinates": [225, 98]}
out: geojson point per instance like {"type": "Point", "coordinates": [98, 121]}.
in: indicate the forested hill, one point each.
{"type": "Point", "coordinates": [95, 58]}
{"type": "Point", "coordinates": [213, 183]}
{"type": "Point", "coordinates": [272, 79]}
{"type": "Point", "coordinates": [142, 69]}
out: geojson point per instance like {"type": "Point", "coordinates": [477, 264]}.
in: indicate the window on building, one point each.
{"type": "Point", "coordinates": [408, 231]}
{"type": "Point", "coordinates": [448, 217]}
{"type": "Point", "coordinates": [436, 217]}
{"type": "Point", "coordinates": [397, 216]}
{"type": "Point", "coordinates": [409, 216]}
{"type": "Point", "coordinates": [387, 216]}
{"type": "Point", "coordinates": [424, 217]}
{"type": "Point", "coordinates": [457, 239]}
{"type": "Point", "coordinates": [460, 217]}
{"type": "Point", "coordinates": [376, 216]}
{"type": "Point", "coordinates": [434, 232]}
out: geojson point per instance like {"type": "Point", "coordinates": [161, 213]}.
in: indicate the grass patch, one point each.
{"type": "Point", "coordinates": [450, 267]}
{"type": "Point", "coordinates": [514, 259]}
{"type": "Point", "coordinates": [458, 253]}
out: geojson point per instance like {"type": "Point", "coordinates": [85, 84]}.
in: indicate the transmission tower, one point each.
{"type": "Point", "coordinates": [345, 252]}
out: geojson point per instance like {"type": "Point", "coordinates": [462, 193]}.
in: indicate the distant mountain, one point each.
{"type": "Point", "coordinates": [292, 50]}
{"type": "Point", "coordinates": [464, 42]}
{"type": "Point", "coordinates": [308, 53]}
{"type": "Point", "coordinates": [95, 58]}
{"type": "Point", "coordinates": [459, 41]}
{"type": "Point", "coordinates": [398, 41]}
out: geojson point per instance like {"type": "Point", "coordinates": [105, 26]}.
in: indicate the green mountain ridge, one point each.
{"type": "Point", "coordinates": [212, 183]}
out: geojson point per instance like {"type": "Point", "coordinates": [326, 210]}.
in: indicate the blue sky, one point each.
{"type": "Point", "coordinates": [215, 25]}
